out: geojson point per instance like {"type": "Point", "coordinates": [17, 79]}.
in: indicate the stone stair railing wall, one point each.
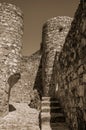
{"type": "Point", "coordinates": [70, 71]}
{"type": "Point", "coordinates": [11, 31]}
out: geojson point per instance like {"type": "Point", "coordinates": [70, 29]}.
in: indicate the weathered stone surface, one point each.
{"type": "Point", "coordinates": [11, 31]}
{"type": "Point", "coordinates": [20, 117]}
{"type": "Point", "coordinates": [70, 72]}
{"type": "Point", "coordinates": [57, 69]}
{"type": "Point", "coordinates": [53, 37]}
{"type": "Point", "coordinates": [30, 81]}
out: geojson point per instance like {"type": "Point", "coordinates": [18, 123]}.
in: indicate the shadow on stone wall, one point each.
{"type": "Point", "coordinates": [11, 108]}
{"type": "Point", "coordinates": [52, 88]}
{"type": "Point", "coordinates": [72, 72]}
{"type": "Point", "coordinates": [38, 80]}
{"type": "Point", "coordinates": [12, 80]}
{"type": "Point", "coordinates": [54, 84]}
{"type": "Point", "coordinates": [38, 89]}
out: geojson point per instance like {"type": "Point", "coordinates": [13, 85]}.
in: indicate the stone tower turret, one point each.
{"type": "Point", "coordinates": [11, 31]}
{"type": "Point", "coordinates": [54, 33]}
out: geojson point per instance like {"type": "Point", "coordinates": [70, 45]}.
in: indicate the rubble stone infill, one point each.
{"type": "Point", "coordinates": [54, 33]}
{"type": "Point", "coordinates": [11, 31]}
{"type": "Point", "coordinates": [23, 90]}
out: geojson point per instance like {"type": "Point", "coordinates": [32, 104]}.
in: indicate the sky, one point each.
{"type": "Point", "coordinates": [36, 13]}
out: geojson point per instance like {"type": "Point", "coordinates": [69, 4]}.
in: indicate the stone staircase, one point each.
{"type": "Point", "coordinates": [52, 116]}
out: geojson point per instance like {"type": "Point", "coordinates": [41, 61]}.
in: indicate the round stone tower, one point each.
{"type": "Point", "coordinates": [54, 33]}
{"type": "Point", "coordinates": [11, 31]}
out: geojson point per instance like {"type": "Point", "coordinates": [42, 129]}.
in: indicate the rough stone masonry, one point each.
{"type": "Point", "coordinates": [70, 72]}
{"type": "Point", "coordinates": [53, 38]}
{"type": "Point", "coordinates": [11, 31]}
{"type": "Point", "coordinates": [33, 69]}
{"type": "Point", "coordinates": [30, 81]}
{"type": "Point", "coordinates": [63, 62]}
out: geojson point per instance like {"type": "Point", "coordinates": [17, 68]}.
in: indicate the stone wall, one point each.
{"type": "Point", "coordinates": [11, 31]}
{"type": "Point", "coordinates": [59, 65]}
{"type": "Point", "coordinates": [70, 72]}
{"type": "Point", "coordinates": [53, 37]}
{"type": "Point", "coordinates": [30, 82]}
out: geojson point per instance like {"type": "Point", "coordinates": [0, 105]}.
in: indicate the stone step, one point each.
{"type": "Point", "coordinates": [58, 124]}
{"type": "Point", "coordinates": [47, 127]}
{"type": "Point", "coordinates": [50, 103]}
{"type": "Point", "coordinates": [59, 128]}
{"type": "Point", "coordinates": [55, 124]}
{"type": "Point", "coordinates": [52, 109]}
{"type": "Point", "coordinates": [49, 99]}
{"type": "Point", "coordinates": [52, 118]}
